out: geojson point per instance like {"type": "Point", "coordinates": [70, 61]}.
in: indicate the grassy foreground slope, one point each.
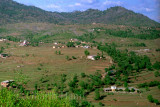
{"type": "Point", "coordinates": [11, 99]}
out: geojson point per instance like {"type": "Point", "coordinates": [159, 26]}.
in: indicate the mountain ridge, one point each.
{"type": "Point", "coordinates": [13, 12]}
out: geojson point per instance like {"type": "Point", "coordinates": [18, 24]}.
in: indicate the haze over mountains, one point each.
{"type": "Point", "coordinates": [13, 12]}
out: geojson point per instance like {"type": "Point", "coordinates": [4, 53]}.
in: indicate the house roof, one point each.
{"type": "Point", "coordinates": [4, 55]}
{"type": "Point", "coordinates": [6, 81]}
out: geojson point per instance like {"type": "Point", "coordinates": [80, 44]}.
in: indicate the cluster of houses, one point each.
{"type": "Point", "coordinates": [143, 50]}
{"type": "Point", "coordinates": [6, 83]}
{"type": "Point", "coordinates": [114, 89]}
{"type": "Point", "coordinates": [59, 45]}
{"type": "Point", "coordinates": [2, 40]}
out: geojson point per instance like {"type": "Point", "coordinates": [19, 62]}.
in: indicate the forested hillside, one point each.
{"type": "Point", "coordinates": [13, 12]}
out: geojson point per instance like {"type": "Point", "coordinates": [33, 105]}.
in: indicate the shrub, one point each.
{"type": "Point", "coordinates": [154, 83]}
{"type": "Point", "coordinates": [101, 104]}
{"type": "Point", "coordinates": [70, 44]}
{"type": "Point", "coordinates": [83, 84]}
{"type": "Point", "coordinates": [150, 98]}
{"type": "Point", "coordinates": [39, 68]}
{"type": "Point", "coordinates": [59, 53]}
{"type": "Point", "coordinates": [47, 86]}
{"type": "Point", "coordinates": [86, 52]}
{"type": "Point", "coordinates": [156, 73]}
{"type": "Point", "coordinates": [74, 57]}
{"type": "Point", "coordinates": [127, 89]}
{"type": "Point", "coordinates": [27, 55]}
{"type": "Point", "coordinates": [156, 102]}
{"type": "Point", "coordinates": [83, 75]}
{"type": "Point", "coordinates": [156, 65]}
{"type": "Point", "coordinates": [56, 52]}
{"type": "Point", "coordinates": [35, 86]}
{"type": "Point", "coordinates": [132, 90]}
{"type": "Point", "coordinates": [115, 99]}
{"type": "Point", "coordinates": [147, 88]}
{"type": "Point", "coordinates": [2, 49]}
{"type": "Point", "coordinates": [158, 49]}
{"type": "Point", "coordinates": [97, 94]}
{"type": "Point", "coordinates": [74, 103]}
{"type": "Point", "coordinates": [78, 43]}
{"type": "Point", "coordinates": [75, 78]}
{"type": "Point", "coordinates": [67, 58]}
{"type": "Point", "coordinates": [125, 84]}
{"type": "Point", "coordinates": [85, 104]}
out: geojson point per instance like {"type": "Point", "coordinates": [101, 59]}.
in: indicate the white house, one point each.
{"type": "Point", "coordinates": [113, 88]}
{"type": "Point", "coordinates": [56, 43]}
{"type": "Point", "coordinates": [54, 47]}
{"type": "Point", "coordinates": [24, 43]}
{"type": "Point", "coordinates": [1, 40]}
{"type": "Point", "coordinates": [86, 47]}
{"type": "Point", "coordinates": [6, 83]}
{"type": "Point", "coordinates": [73, 40]}
{"type": "Point", "coordinates": [91, 57]}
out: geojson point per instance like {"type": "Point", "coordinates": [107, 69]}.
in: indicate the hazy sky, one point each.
{"type": "Point", "coordinates": [149, 8]}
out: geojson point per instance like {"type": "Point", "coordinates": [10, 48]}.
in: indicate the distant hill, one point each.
{"type": "Point", "coordinates": [13, 12]}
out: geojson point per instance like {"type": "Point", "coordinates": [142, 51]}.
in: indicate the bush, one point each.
{"type": "Point", "coordinates": [47, 86]}
{"type": "Point", "coordinates": [150, 98]}
{"type": "Point", "coordinates": [2, 49]}
{"type": "Point", "coordinates": [86, 52]}
{"type": "Point", "coordinates": [74, 103]}
{"type": "Point", "coordinates": [156, 73]}
{"type": "Point", "coordinates": [74, 57]}
{"type": "Point", "coordinates": [115, 99]}
{"type": "Point", "coordinates": [101, 104]}
{"type": "Point", "coordinates": [35, 86]}
{"type": "Point", "coordinates": [158, 86]}
{"type": "Point", "coordinates": [154, 83]}
{"type": "Point", "coordinates": [127, 89]}
{"type": "Point", "coordinates": [38, 68]}
{"type": "Point", "coordinates": [78, 43]}
{"type": "Point", "coordinates": [158, 49]}
{"type": "Point", "coordinates": [151, 84]}
{"type": "Point", "coordinates": [132, 90]}
{"type": "Point", "coordinates": [97, 95]}
{"type": "Point", "coordinates": [83, 75]}
{"type": "Point", "coordinates": [85, 104]}
{"type": "Point", "coordinates": [156, 65]}
{"type": "Point", "coordinates": [83, 84]}
{"type": "Point", "coordinates": [59, 53]}
{"type": "Point", "coordinates": [70, 44]}
{"type": "Point", "coordinates": [156, 102]}
{"type": "Point", "coordinates": [125, 84]}
{"type": "Point", "coordinates": [67, 58]}
{"type": "Point", "coordinates": [27, 55]}
{"type": "Point", "coordinates": [147, 88]}
{"type": "Point", "coordinates": [56, 52]}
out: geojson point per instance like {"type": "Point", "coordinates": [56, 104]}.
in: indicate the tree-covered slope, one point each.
{"type": "Point", "coordinates": [13, 12]}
